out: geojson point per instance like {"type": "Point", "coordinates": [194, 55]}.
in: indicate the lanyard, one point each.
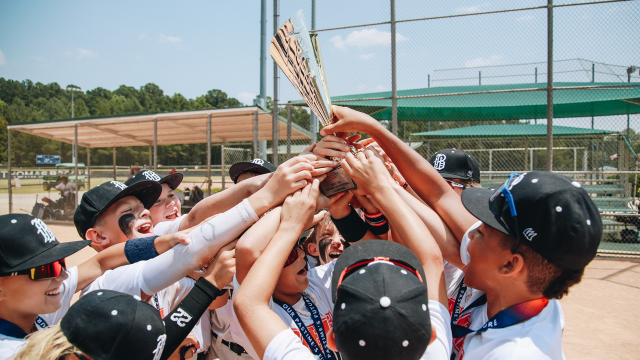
{"type": "Point", "coordinates": [8, 328]}
{"type": "Point", "coordinates": [505, 318]}
{"type": "Point", "coordinates": [317, 324]}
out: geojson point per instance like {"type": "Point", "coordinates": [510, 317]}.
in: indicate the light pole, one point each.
{"type": "Point", "coordinates": [72, 88]}
{"type": "Point", "coordinates": [75, 142]}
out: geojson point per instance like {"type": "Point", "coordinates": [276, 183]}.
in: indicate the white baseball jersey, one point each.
{"type": "Point", "coordinates": [287, 346]}
{"type": "Point", "coordinates": [320, 292]}
{"type": "Point", "coordinates": [168, 227]}
{"type": "Point", "coordinates": [9, 346]}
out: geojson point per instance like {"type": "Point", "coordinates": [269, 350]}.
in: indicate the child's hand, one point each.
{"type": "Point", "coordinates": [223, 266]}
{"type": "Point", "coordinates": [367, 171]}
{"type": "Point", "coordinates": [341, 208]}
{"type": "Point", "coordinates": [299, 209]}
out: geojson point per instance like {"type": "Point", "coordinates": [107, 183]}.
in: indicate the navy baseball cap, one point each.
{"type": "Point", "coordinates": [257, 166]}
{"type": "Point", "coordinates": [381, 305]}
{"type": "Point", "coordinates": [456, 164]}
{"type": "Point", "coordinates": [26, 242]}
{"type": "Point", "coordinates": [173, 180]}
{"type": "Point", "coordinates": [555, 217]}
{"type": "Point", "coordinates": [95, 201]}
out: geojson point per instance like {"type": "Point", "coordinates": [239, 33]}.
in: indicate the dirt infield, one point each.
{"type": "Point", "coordinates": [602, 321]}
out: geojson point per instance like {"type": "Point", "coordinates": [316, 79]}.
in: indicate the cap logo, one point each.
{"type": "Point", "coordinates": [158, 351]}
{"type": "Point", "coordinates": [529, 233]}
{"type": "Point", "coordinates": [516, 181]}
{"type": "Point", "coordinates": [439, 162]}
{"type": "Point", "coordinates": [180, 317]}
{"type": "Point", "coordinates": [43, 230]}
{"type": "Point", "coordinates": [118, 184]}
{"type": "Point", "coordinates": [150, 175]}
{"type": "Point", "coordinates": [470, 173]}
{"type": "Point", "coordinates": [258, 161]}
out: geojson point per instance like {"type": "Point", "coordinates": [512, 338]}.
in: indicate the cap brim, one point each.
{"type": "Point", "coordinates": [476, 200]}
{"type": "Point", "coordinates": [371, 249]}
{"type": "Point", "coordinates": [173, 180]}
{"type": "Point", "coordinates": [58, 252]}
{"type": "Point", "coordinates": [237, 169]}
{"type": "Point", "coordinates": [147, 191]}
{"type": "Point", "coordinates": [453, 176]}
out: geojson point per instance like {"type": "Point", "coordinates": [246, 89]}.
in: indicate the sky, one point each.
{"type": "Point", "coordinates": [191, 47]}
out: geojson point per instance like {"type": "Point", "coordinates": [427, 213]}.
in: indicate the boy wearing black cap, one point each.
{"type": "Point", "coordinates": [167, 207]}
{"type": "Point", "coordinates": [460, 169]}
{"type": "Point", "coordinates": [387, 300]}
{"type": "Point", "coordinates": [539, 232]}
{"type": "Point", "coordinates": [245, 170]}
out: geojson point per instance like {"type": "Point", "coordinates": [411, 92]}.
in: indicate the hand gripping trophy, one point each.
{"type": "Point", "coordinates": [297, 53]}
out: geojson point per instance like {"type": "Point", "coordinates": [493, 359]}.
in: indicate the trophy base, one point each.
{"type": "Point", "coordinates": [337, 181]}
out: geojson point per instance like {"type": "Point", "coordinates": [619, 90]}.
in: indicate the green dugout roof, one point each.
{"type": "Point", "coordinates": [467, 103]}
{"type": "Point", "coordinates": [512, 130]}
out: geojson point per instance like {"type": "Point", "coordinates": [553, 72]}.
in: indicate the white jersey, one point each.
{"type": "Point", "coordinates": [9, 346]}
{"type": "Point", "coordinates": [319, 291]}
{"type": "Point", "coordinates": [287, 346]}
{"type": "Point", "coordinates": [537, 338]}
{"type": "Point", "coordinates": [125, 279]}
{"type": "Point", "coordinates": [168, 227]}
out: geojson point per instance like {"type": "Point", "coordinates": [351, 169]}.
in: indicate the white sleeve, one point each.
{"type": "Point", "coordinates": [126, 279]}
{"type": "Point", "coordinates": [168, 227]}
{"type": "Point", "coordinates": [67, 290]}
{"type": "Point", "coordinates": [452, 277]}
{"type": "Point", "coordinates": [320, 279]}
{"type": "Point", "coordinates": [59, 187]}
{"type": "Point", "coordinates": [287, 346]}
{"type": "Point", "coordinates": [171, 266]}
{"type": "Point", "coordinates": [464, 255]}
{"type": "Point", "coordinates": [440, 349]}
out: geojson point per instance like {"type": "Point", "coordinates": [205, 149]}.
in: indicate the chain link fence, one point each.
{"type": "Point", "coordinates": [475, 76]}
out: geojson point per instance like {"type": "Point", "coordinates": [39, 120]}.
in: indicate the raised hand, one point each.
{"type": "Point", "coordinates": [321, 165]}
{"type": "Point", "coordinates": [332, 146]}
{"type": "Point", "coordinates": [223, 266]}
{"type": "Point", "coordinates": [340, 208]}
{"type": "Point", "coordinates": [292, 175]}
{"type": "Point", "coordinates": [367, 170]}
{"type": "Point", "coordinates": [299, 209]}
{"type": "Point", "coordinates": [347, 120]}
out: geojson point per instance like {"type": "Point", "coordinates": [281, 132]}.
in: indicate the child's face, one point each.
{"type": "Point", "coordinates": [486, 258]}
{"type": "Point", "coordinates": [24, 296]}
{"type": "Point", "coordinates": [125, 219]}
{"type": "Point", "coordinates": [167, 207]}
{"type": "Point", "coordinates": [293, 278]}
{"type": "Point", "coordinates": [329, 244]}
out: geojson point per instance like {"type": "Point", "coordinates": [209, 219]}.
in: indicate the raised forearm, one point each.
{"type": "Point", "coordinates": [216, 204]}
{"type": "Point", "coordinates": [254, 241]}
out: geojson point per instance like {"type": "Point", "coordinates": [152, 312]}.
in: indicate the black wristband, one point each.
{"type": "Point", "coordinates": [209, 288]}
{"type": "Point", "coordinates": [140, 249]}
{"type": "Point", "coordinates": [351, 227]}
{"type": "Point", "coordinates": [377, 223]}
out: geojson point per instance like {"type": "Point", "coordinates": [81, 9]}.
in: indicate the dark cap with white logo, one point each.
{"type": "Point", "coordinates": [26, 242]}
{"type": "Point", "coordinates": [257, 166]}
{"type": "Point", "coordinates": [173, 180]}
{"type": "Point", "coordinates": [381, 304]}
{"type": "Point", "coordinates": [456, 164]}
{"type": "Point", "coordinates": [95, 201]}
{"type": "Point", "coordinates": [107, 325]}
{"type": "Point", "coordinates": [555, 217]}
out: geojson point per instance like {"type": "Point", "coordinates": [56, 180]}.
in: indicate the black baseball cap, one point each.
{"type": "Point", "coordinates": [555, 217]}
{"type": "Point", "coordinates": [95, 201]}
{"type": "Point", "coordinates": [456, 164]}
{"type": "Point", "coordinates": [173, 180]}
{"type": "Point", "coordinates": [106, 325]}
{"type": "Point", "coordinates": [381, 308]}
{"type": "Point", "coordinates": [26, 242]}
{"type": "Point", "coordinates": [257, 166]}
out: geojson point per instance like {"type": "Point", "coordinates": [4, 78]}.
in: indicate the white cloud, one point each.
{"type": "Point", "coordinates": [367, 56]}
{"type": "Point", "coordinates": [246, 97]}
{"type": "Point", "coordinates": [3, 60]}
{"type": "Point", "coordinates": [170, 39]}
{"type": "Point", "coordinates": [491, 60]}
{"type": "Point", "coordinates": [85, 53]}
{"type": "Point", "coordinates": [525, 18]}
{"type": "Point", "coordinates": [365, 38]}
{"type": "Point", "coordinates": [471, 9]}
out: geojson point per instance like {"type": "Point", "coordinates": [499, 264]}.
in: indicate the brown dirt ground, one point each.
{"type": "Point", "coordinates": [602, 321]}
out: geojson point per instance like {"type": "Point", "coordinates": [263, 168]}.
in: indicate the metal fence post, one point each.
{"type": "Point", "coordinates": [9, 170]}
{"type": "Point", "coordinates": [114, 163]}
{"type": "Point", "coordinates": [155, 144]}
{"type": "Point", "coordinates": [88, 169]}
{"type": "Point", "coordinates": [288, 131]}
{"type": "Point", "coordinates": [209, 155]}
{"type": "Point", "coordinates": [255, 136]}
{"type": "Point", "coordinates": [222, 167]}
{"type": "Point", "coordinates": [75, 158]}
{"type": "Point", "coordinates": [150, 156]}
{"type": "Point", "coordinates": [549, 85]}
{"type": "Point", "coordinates": [394, 89]}
{"type": "Point", "coordinates": [274, 134]}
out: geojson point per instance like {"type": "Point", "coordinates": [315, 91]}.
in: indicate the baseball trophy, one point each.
{"type": "Point", "coordinates": [297, 53]}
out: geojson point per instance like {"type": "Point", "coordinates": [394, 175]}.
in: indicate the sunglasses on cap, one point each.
{"type": "Point", "coordinates": [455, 185]}
{"type": "Point", "coordinates": [44, 272]}
{"type": "Point", "coordinates": [366, 262]}
{"type": "Point", "coordinates": [293, 256]}
{"type": "Point", "coordinates": [502, 198]}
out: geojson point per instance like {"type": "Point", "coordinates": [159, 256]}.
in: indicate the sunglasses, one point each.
{"type": "Point", "coordinates": [502, 198]}
{"type": "Point", "coordinates": [455, 185]}
{"type": "Point", "coordinates": [44, 272]}
{"type": "Point", "coordinates": [366, 262]}
{"type": "Point", "coordinates": [293, 256]}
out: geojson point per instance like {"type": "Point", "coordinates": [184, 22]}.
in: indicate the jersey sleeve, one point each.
{"type": "Point", "coordinates": [67, 290]}
{"type": "Point", "coordinates": [320, 280]}
{"type": "Point", "coordinates": [168, 227]}
{"type": "Point", "coordinates": [287, 346]}
{"type": "Point", "coordinates": [440, 349]}
{"type": "Point", "coordinates": [126, 279]}
{"type": "Point", "coordinates": [464, 255]}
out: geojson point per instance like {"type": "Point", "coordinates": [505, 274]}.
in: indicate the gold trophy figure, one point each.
{"type": "Point", "coordinates": [298, 55]}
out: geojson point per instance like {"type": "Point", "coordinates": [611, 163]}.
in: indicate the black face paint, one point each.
{"type": "Point", "coordinates": [322, 247]}
{"type": "Point", "coordinates": [125, 222]}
